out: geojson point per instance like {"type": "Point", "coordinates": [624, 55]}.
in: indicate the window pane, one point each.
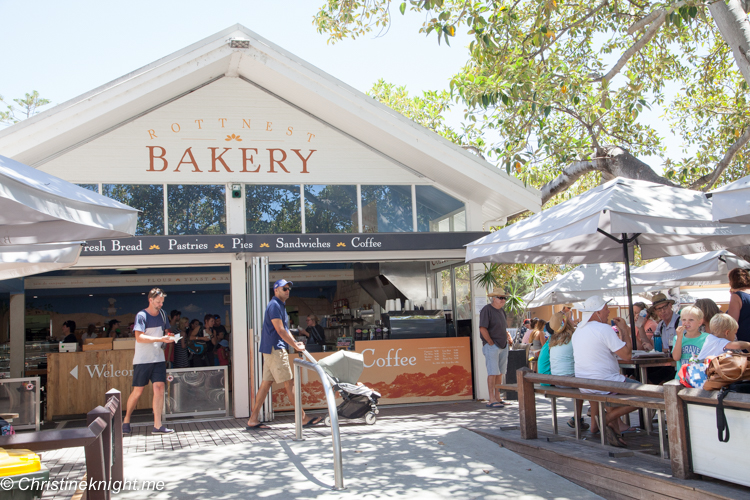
{"type": "Point", "coordinates": [463, 292]}
{"type": "Point", "coordinates": [90, 187]}
{"type": "Point", "coordinates": [438, 211]}
{"type": "Point", "coordinates": [273, 209]}
{"type": "Point", "coordinates": [331, 209]}
{"type": "Point", "coordinates": [148, 198]}
{"type": "Point", "coordinates": [386, 209]}
{"type": "Point", "coordinates": [196, 209]}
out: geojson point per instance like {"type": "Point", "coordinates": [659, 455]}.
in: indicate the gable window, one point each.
{"type": "Point", "coordinates": [148, 198]}
{"type": "Point", "coordinates": [196, 209]}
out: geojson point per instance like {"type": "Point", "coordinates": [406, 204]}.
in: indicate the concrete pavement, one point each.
{"type": "Point", "coordinates": [433, 462]}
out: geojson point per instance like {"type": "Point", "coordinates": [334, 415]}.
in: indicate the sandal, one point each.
{"type": "Point", "coordinates": [614, 438]}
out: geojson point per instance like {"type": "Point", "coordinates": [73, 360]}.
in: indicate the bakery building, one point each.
{"type": "Point", "coordinates": [249, 165]}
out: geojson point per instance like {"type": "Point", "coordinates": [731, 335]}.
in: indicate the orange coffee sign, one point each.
{"type": "Point", "coordinates": [402, 371]}
{"type": "Point", "coordinates": [420, 370]}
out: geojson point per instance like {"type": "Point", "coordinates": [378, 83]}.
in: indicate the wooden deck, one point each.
{"type": "Point", "coordinates": [554, 455]}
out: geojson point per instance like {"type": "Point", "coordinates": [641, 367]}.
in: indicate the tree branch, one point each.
{"type": "Point", "coordinates": [637, 46]}
{"type": "Point", "coordinates": [567, 28]}
{"type": "Point", "coordinates": [711, 178]}
{"type": "Point", "coordinates": [568, 177]}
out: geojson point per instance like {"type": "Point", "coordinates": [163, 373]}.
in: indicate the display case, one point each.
{"type": "Point", "coordinates": [421, 324]}
{"type": "Point", "coordinates": [35, 362]}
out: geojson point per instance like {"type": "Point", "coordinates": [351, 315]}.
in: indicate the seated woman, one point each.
{"type": "Point", "coordinates": [537, 340]}
{"type": "Point", "coordinates": [645, 327]}
{"type": "Point", "coordinates": [561, 355]}
{"type": "Point", "coordinates": [710, 309]}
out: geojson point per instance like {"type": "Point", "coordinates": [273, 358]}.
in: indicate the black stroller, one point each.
{"type": "Point", "coordinates": [343, 369]}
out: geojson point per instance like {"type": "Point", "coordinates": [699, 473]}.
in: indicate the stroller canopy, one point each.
{"type": "Point", "coordinates": [344, 366]}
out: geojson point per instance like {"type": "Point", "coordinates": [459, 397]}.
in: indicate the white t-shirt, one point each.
{"type": "Point", "coordinates": [153, 326]}
{"type": "Point", "coordinates": [712, 346]}
{"type": "Point", "coordinates": [594, 346]}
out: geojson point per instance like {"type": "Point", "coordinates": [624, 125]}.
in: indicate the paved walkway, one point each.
{"type": "Point", "coordinates": [416, 451]}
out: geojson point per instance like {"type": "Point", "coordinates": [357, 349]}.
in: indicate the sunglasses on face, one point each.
{"type": "Point", "coordinates": [662, 308]}
{"type": "Point", "coordinates": [286, 288]}
{"type": "Point", "coordinates": [503, 298]}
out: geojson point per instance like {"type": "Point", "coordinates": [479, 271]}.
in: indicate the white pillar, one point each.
{"type": "Point", "coordinates": [240, 358]}
{"type": "Point", "coordinates": [17, 335]}
{"type": "Point", "coordinates": [480, 369]}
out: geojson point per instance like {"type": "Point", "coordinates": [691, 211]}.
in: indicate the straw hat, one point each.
{"type": "Point", "coordinates": [593, 304]}
{"type": "Point", "coordinates": [557, 322]}
{"type": "Point", "coordinates": [498, 292]}
{"type": "Point", "coordinates": [660, 298]}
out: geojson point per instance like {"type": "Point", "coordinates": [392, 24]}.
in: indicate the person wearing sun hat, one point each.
{"type": "Point", "coordinates": [493, 329]}
{"type": "Point", "coordinates": [596, 348]}
{"type": "Point", "coordinates": [661, 305]}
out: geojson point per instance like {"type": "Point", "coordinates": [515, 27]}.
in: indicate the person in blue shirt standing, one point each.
{"type": "Point", "coordinates": [274, 340]}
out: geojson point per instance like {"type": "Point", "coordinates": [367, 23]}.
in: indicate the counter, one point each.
{"type": "Point", "coordinates": [402, 371]}
{"type": "Point", "coordinates": [77, 381]}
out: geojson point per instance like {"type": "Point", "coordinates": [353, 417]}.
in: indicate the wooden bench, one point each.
{"type": "Point", "coordinates": [637, 395]}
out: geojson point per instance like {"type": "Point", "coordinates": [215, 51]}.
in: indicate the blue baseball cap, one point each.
{"type": "Point", "coordinates": [282, 282]}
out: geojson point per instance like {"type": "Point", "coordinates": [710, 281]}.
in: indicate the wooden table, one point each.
{"type": "Point", "coordinates": [641, 365]}
{"type": "Point", "coordinates": [8, 417]}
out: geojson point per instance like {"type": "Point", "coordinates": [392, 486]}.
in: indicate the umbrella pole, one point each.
{"type": "Point", "coordinates": [630, 288]}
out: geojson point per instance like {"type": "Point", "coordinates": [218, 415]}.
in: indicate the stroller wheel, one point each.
{"type": "Point", "coordinates": [328, 421]}
{"type": "Point", "coordinates": [370, 418]}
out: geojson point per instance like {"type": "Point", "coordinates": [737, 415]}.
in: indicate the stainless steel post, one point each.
{"type": "Point", "coordinates": [297, 403]}
{"type": "Point", "coordinates": [338, 467]}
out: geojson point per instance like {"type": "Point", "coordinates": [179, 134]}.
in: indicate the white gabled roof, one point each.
{"type": "Point", "coordinates": [66, 126]}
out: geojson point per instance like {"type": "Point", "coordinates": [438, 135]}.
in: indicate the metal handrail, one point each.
{"type": "Point", "coordinates": [338, 469]}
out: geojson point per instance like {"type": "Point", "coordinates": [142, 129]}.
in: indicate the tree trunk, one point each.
{"type": "Point", "coordinates": [732, 21]}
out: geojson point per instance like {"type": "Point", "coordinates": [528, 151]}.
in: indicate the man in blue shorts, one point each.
{"type": "Point", "coordinates": [148, 361]}
{"type": "Point", "coordinates": [274, 339]}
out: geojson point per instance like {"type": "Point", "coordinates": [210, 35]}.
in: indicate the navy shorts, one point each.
{"type": "Point", "coordinates": [155, 372]}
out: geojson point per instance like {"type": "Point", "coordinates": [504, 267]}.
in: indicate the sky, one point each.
{"type": "Point", "coordinates": [64, 49]}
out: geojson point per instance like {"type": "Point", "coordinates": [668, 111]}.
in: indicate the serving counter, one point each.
{"type": "Point", "coordinates": [402, 371]}
{"type": "Point", "coordinates": [76, 381]}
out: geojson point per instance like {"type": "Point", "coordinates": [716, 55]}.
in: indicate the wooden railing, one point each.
{"type": "Point", "coordinates": [104, 464]}
{"type": "Point", "coordinates": [671, 398]}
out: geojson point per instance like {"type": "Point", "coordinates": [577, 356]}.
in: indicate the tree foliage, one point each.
{"type": "Point", "coordinates": [554, 90]}
{"type": "Point", "coordinates": [21, 109]}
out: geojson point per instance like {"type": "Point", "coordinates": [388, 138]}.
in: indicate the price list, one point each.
{"type": "Point", "coordinates": [441, 355]}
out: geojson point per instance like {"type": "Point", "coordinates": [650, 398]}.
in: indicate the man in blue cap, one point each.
{"type": "Point", "coordinates": [274, 340]}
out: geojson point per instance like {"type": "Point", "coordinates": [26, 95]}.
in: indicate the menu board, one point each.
{"type": "Point", "coordinates": [402, 371]}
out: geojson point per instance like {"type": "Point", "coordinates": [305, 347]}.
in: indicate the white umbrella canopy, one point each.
{"type": "Point", "coordinates": [731, 203]}
{"type": "Point", "coordinates": [662, 220]}
{"type": "Point", "coordinates": [607, 279]}
{"type": "Point", "coordinates": [36, 207]}
{"type": "Point", "coordinates": [708, 268]}
{"type": "Point", "coordinates": [23, 260]}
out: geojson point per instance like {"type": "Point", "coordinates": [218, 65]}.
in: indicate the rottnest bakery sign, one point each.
{"type": "Point", "coordinates": [266, 243]}
{"type": "Point", "coordinates": [235, 154]}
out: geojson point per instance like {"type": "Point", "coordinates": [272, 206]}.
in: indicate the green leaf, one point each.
{"type": "Point", "coordinates": [402, 8]}
{"type": "Point", "coordinates": [607, 104]}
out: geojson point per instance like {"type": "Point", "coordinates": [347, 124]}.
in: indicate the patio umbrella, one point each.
{"type": "Point", "coordinates": [731, 203]}
{"type": "Point", "coordinates": [36, 207]}
{"type": "Point", "coordinates": [605, 223]}
{"type": "Point", "coordinates": [583, 282]}
{"type": "Point", "coordinates": [708, 268]}
{"type": "Point", "coordinates": [17, 261]}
